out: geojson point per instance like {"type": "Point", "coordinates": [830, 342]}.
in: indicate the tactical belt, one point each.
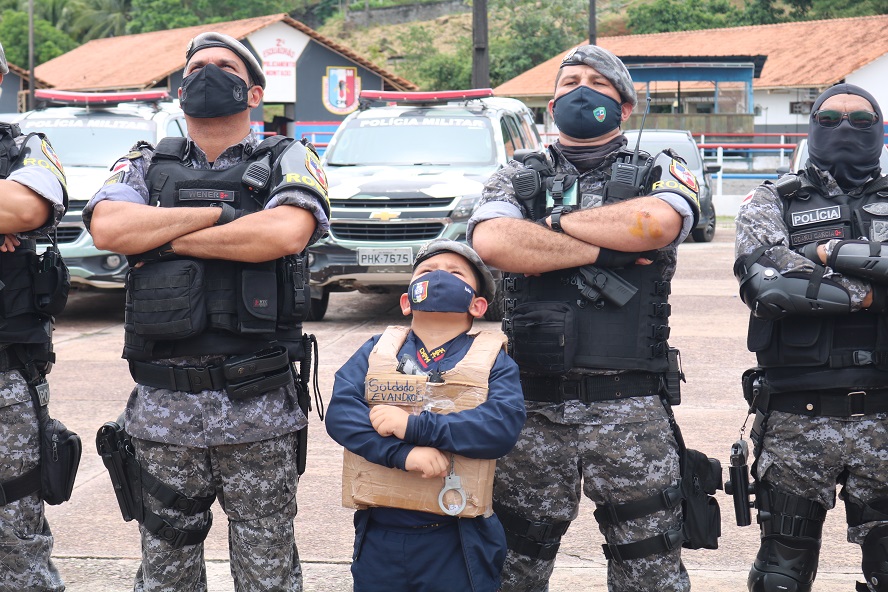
{"type": "Point", "coordinates": [15, 489]}
{"type": "Point", "coordinates": [239, 376]}
{"type": "Point", "coordinates": [590, 389]}
{"type": "Point", "coordinates": [831, 403]}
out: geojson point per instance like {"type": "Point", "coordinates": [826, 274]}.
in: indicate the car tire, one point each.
{"type": "Point", "coordinates": [706, 234]}
{"type": "Point", "coordinates": [317, 307]}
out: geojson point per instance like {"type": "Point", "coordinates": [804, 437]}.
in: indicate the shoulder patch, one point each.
{"type": "Point", "coordinates": [683, 175]}
{"type": "Point", "coordinates": [121, 165]}
{"type": "Point", "coordinates": [313, 165]}
{"type": "Point", "coordinates": [51, 155]}
{"type": "Point", "coordinates": [115, 178]}
{"type": "Point", "coordinates": [134, 155]}
{"type": "Point", "coordinates": [748, 197]}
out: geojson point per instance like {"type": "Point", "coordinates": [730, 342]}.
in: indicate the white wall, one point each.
{"type": "Point", "coordinates": [874, 78]}
{"type": "Point", "coordinates": [775, 107]}
{"type": "Point", "coordinates": [279, 46]}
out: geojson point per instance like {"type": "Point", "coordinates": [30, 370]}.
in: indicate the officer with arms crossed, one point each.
{"type": "Point", "coordinates": [215, 303]}
{"type": "Point", "coordinates": [33, 199]}
{"type": "Point", "coordinates": [590, 341]}
{"type": "Point", "coordinates": [813, 268]}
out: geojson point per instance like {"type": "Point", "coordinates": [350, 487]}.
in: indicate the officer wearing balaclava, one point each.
{"type": "Point", "coordinates": [813, 269]}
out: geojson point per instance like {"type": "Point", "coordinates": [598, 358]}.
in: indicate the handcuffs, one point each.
{"type": "Point", "coordinates": [453, 483]}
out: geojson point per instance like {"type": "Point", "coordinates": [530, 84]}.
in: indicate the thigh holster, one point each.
{"type": "Point", "coordinates": [791, 529]}
{"type": "Point", "coordinates": [131, 483]}
{"type": "Point", "coordinates": [537, 540]}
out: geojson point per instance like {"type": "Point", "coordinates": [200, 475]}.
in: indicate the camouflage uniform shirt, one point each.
{"type": "Point", "coordinates": [208, 418]}
{"type": "Point", "coordinates": [499, 201]}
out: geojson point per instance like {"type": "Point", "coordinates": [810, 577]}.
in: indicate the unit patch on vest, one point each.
{"type": "Point", "coordinates": [681, 172]}
{"type": "Point", "coordinates": [673, 186]}
{"type": "Point", "coordinates": [879, 231]}
{"type": "Point", "coordinates": [207, 195]}
{"type": "Point", "coordinates": [816, 216]}
{"type": "Point", "coordinates": [817, 235]}
{"type": "Point", "coordinates": [879, 208]}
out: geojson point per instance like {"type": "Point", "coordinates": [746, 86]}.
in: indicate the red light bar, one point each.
{"type": "Point", "coordinates": [427, 97]}
{"type": "Point", "coordinates": [66, 97]}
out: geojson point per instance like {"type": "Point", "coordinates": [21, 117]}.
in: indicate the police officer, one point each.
{"type": "Point", "coordinates": [33, 199]}
{"type": "Point", "coordinates": [592, 361]}
{"type": "Point", "coordinates": [215, 302]}
{"type": "Point", "coordinates": [813, 268]}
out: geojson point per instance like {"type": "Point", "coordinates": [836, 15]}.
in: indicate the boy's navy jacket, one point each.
{"type": "Point", "coordinates": [488, 431]}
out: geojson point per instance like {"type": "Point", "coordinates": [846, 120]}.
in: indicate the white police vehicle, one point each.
{"type": "Point", "coordinates": [403, 169]}
{"type": "Point", "coordinates": [90, 132]}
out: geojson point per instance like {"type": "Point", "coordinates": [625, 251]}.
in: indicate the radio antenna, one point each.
{"type": "Point", "coordinates": [641, 129]}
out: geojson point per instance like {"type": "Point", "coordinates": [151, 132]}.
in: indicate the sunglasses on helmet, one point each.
{"type": "Point", "coordinates": [857, 119]}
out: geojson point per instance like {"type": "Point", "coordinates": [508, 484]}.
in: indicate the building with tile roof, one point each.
{"type": "Point", "coordinates": [315, 78]}
{"type": "Point", "coordinates": [798, 61]}
{"type": "Point", "coordinates": [14, 84]}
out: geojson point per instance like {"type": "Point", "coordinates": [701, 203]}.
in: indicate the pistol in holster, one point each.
{"type": "Point", "coordinates": [117, 452]}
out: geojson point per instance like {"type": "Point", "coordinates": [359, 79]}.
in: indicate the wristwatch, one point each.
{"type": "Point", "coordinates": [556, 217]}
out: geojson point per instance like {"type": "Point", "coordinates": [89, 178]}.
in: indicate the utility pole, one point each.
{"type": "Point", "coordinates": [30, 54]}
{"type": "Point", "coordinates": [480, 53]}
{"type": "Point", "coordinates": [593, 30]}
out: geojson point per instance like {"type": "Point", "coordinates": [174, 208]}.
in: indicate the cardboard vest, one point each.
{"type": "Point", "coordinates": [365, 484]}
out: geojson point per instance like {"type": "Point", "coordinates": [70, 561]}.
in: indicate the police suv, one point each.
{"type": "Point", "coordinates": [90, 132]}
{"type": "Point", "coordinates": [403, 169]}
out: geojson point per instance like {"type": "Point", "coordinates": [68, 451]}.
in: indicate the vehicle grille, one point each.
{"type": "Point", "coordinates": [411, 200]}
{"type": "Point", "coordinates": [385, 232]}
{"type": "Point", "coordinates": [67, 234]}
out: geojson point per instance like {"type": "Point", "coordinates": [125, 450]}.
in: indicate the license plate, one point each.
{"type": "Point", "coordinates": [370, 257]}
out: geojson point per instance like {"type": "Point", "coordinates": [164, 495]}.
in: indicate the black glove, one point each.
{"type": "Point", "coordinates": [611, 258]}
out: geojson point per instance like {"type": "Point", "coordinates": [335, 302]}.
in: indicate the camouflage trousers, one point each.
{"type": "Point", "coordinates": [554, 464]}
{"type": "Point", "coordinates": [805, 456]}
{"type": "Point", "coordinates": [25, 538]}
{"type": "Point", "coordinates": [255, 484]}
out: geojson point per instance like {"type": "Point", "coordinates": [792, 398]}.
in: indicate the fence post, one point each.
{"type": "Point", "coordinates": [721, 163]}
{"type": "Point", "coordinates": [782, 150]}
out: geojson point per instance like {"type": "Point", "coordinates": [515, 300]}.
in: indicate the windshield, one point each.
{"type": "Point", "coordinates": [91, 141]}
{"type": "Point", "coordinates": [655, 143]}
{"type": "Point", "coordinates": [414, 141]}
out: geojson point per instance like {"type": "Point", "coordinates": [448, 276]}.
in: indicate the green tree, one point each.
{"type": "Point", "coordinates": [96, 19]}
{"type": "Point", "coordinates": [156, 15]}
{"type": "Point", "coordinates": [828, 9]}
{"type": "Point", "coordinates": [662, 16]}
{"type": "Point", "coordinates": [431, 69]}
{"type": "Point", "coordinates": [528, 39]}
{"type": "Point", "coordinates": [49, 42]}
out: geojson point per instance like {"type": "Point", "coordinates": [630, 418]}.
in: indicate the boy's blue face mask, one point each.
{"type": "Point", "coordinates": [439, 291]}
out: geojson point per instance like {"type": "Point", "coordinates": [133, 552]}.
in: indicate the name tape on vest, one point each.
{"type": "Point", "coordinates": [816, 216]}
{"type": "Point", "coordinates": [407, 391]}
{"type": "Point", "coordinates": [819, 234]}
{"type": "Point", "coordinates": [207, 195]}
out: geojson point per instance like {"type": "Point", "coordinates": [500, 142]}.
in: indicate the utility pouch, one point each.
{"type": "Point", "coordinates": [701, 476]}
{"type": "Point", "coordinates": [165, 300]}
{"type": "Point", "coordinates": [544, 337]}
{"type": "Point", "coordinates": [755, 389]}
{"type": "Point", "coordinates": [51, 281]}
{"type": "Point", "coordinates": [60, 450]}
{"type": "Point", "coordinates": [674, 377]}
{"type": "Point", "coordinates": [258, 299]}
{"type": "Point", "coordinates": [293, 289]}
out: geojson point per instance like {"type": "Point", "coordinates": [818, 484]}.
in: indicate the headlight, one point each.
{"type": "Point", "coordinates": [112, 261]}
{"type": "Point", "coordinates": [465, 207]}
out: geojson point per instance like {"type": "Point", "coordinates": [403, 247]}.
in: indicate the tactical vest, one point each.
{"type": "Point", "coordinates": [553, 329]}
{"type": "Point", "coordinates": [858, 340]}
{"type": "Point", "coordinates": [365, 484]}
{"type": "Point", "coordinates": [29, 294]}
{"type": "Point", "coordinates": [188, 306]}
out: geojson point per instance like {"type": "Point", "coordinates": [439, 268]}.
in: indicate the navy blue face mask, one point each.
{"type": "Point", "coordinates": [585, 114]}
{"type": "Point", "coordinates": [213, 92]}
{"type": "Point", "coordinates": [440, 291]}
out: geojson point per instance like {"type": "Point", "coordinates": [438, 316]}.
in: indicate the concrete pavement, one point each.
{"type": "Point", "coordinates": [96, 551]}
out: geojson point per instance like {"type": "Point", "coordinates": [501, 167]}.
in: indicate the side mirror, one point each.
{"type": "Point", "coordinates": [711, 169]}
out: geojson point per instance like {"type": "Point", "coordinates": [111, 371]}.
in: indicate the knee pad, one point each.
{"type": "Point", "coordinates": [537, 540]}
{"type": "Point", "coordinates": [791, 532]}
{"type": "Point", "coordinates": [875, 558]}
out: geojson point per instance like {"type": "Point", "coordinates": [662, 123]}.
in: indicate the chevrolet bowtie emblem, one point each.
{"type": "Point", "coordinates": [385, 215]}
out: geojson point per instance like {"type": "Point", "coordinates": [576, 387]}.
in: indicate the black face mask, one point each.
{"type": "Point", "coordinates": [850, 155]}
{"type": "Point", "coordinates": [212, 92]}
{"type": "Point", "coordinates": [584, 113]}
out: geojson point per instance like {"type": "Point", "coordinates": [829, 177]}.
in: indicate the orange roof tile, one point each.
{"type": "Point", "coordinates": [145, 60]}
{"type": "Point", "coordinates": [795, 52]}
